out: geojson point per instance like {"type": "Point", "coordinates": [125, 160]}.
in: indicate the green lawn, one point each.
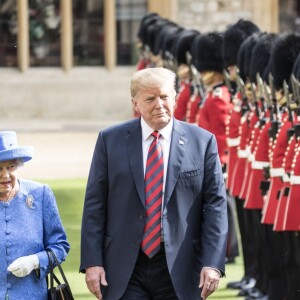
{"type": "Point", "coordinates": [70, 195]}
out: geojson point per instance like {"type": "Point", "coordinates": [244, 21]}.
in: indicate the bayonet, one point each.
{"type": "Point", "coordinates": [253, 90]}
{"type": "Point", "coordinates": [261, 91]}
{"type": "Point", "coordinates": [273, 95]}
{"type": "Point", "coordinates": [295, 88]}
{"type": "Point", "coordinates": [228, 83]}
{"type": "Point", "coordinates": [271, 84]}
{"type": "Point", "coordinates": [288, 101]}
{"type": "Point", "coordinates": [287, 94]}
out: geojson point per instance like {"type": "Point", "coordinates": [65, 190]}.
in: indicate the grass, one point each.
{"type": "Point", "coordinates": [70, 195]}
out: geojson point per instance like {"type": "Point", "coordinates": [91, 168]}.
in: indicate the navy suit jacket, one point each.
{"type": "Point", "coordinates": [194, 216]}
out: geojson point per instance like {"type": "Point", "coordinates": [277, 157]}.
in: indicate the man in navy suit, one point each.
{"type": "Point", "coordinates": [193, 216]}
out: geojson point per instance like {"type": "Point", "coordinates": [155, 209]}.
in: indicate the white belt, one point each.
{"type": "Point", "coordinates": [237, 108]}
{"type": "Point", "coordinates": [295, 179]}
{"type": "Point", "coordinates": [276, 172]}
{"type": "Point", "coordinates": [242, 154]}
{"type": "Point", "coordinates": [233, 142]}
{"type": "Point", "coordinates": [248, 149]}
{"type": "Point", "coordinates": [285, 177]}
{"type": "Point", "coordinates": [259, 165]}
{"type": "Point", "coordinates": [251, 157]}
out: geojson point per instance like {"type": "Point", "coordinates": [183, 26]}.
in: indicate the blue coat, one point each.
{"type": "Point", "coordinates": [194, 216]}
{"type": "Point", "coordinates": [29, 224]}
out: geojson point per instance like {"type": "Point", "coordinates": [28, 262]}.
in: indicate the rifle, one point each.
{"type": "Point", "coordinates": [196, 77]}
{"type": "Point", "coordinates": [274, 113]}
{"type": "Point", "coordinates": [241, 89]}
{"type": "Point", "coordinates": [253, 90]}
{"type": "Point", "coordinates": [262, 93]}
{"type": "Point", "coordinates": [228, 83]}
{"type": "Point", "coordinates": [288, 102]}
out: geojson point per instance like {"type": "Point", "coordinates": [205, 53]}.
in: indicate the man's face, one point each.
{"type": "Point", "coordinates": [156, 105]}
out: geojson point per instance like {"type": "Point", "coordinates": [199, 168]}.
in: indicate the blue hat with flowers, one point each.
{"type": "Point", "coordinates": [9, 147]}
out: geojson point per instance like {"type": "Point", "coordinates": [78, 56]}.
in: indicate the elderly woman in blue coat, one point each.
{"type": "Point", "coordinates": [29, 224]}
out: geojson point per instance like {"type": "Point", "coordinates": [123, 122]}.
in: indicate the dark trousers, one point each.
{"type": "Point", "coordinates": [232, 242]}
{"type": "Point", "coordinates": [150, 279]}
{"type": "Point", "coordinates": [246, 242]}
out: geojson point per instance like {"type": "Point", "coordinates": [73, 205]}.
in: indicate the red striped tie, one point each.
{"type": "Point", "coordinates": [153, 189]}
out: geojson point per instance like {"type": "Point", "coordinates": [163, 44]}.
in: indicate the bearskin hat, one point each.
{"type": "Point", "coordinates": [163, 34]}
{"type": "Point", "coordinates": [234, 37]}
{"type": "Point", "coordinates": [209, 52]}
{"type": "Point", "coordinates": [183, 44]}
{"type": "Point", "coordinates": [245, 55]}
{"type": "Point", "coordinates": [169, 39]}
{"type": "Point", "coordinates": [152, 33]}
{"type": "Point", "coordinates": [283, 57]}
{"type": "Point", "coordinates": [194, 49]}
{"type": "Point", "coordinates": [144, 26]}
{"type": "Point", "coordinates": [261, 54]}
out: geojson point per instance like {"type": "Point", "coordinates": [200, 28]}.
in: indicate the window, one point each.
{"type": "Point", "coordinates": [8, 33]}
{"type": "Point", "coordinates": [128, 15]}
{"type": "Point", "coordinates": [88, 32]}
{"type": "Point", "coordinates": [44, 32]}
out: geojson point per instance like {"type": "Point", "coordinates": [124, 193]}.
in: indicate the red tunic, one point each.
{"type": "Point", "coordinates": [254, 198]}
{"type": "Point", "coordinates": [142, 63]}
{"type": "Point", "coordinates": [276, 171]}
{"type": "Point", "coordinates": [213, 116]}
{"type": "Point", "coordinates": [233, 139]}
{"type": "Point", "coordinates": [192, 108]}
{"type": "Point", "coordinates": [283, 199]}
{"type": "Point", "coordinates": [292, 213]}
{"type": "Point", "coordinates": [253, 118]}
{"type": "Point", "coordinates": [182, 100]}
{"type": "Point", "coordinates": [239, 168]}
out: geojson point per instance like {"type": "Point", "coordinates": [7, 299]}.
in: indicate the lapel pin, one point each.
{"type": "Point", "coordinates": [29, 202]}
{"type": "Point", "coordinates": [181, 142]}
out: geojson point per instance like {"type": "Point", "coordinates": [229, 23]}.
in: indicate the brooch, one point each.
{"type": "Point", "coordinates": [29, 202]}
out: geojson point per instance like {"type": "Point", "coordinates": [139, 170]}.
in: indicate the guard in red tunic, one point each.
{"type": "Point", "coordinates": [283, 56]}
{"type": "Point", "coordinates": [233, 38]}
{"type": "Point", "coordinates": [214, 110]}
{"type": "Point", "coordinates": [182, 45]}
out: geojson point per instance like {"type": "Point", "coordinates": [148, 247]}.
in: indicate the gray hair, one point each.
{"type": "Point", "coordinates": [151, 77]}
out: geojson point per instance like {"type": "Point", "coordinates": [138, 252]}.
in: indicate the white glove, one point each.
{"type": "Point", "coordinates": [22, 266]}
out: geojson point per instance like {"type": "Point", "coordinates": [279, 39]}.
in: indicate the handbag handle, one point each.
{"type": "Point", "coordinates": [53, 277]}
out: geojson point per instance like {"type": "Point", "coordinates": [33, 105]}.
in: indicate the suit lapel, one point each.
{"type": "Point", "coordinates": [135, 154]}
{"type": "Point", "coordinates": [177, 149]}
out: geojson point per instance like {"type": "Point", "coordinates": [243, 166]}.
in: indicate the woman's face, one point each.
{"type": "Point", "coordinates": [8, 177]}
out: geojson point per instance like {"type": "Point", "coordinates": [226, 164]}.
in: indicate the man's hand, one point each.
{"type": "Point", "coordinates": [94, 277]}
{"type": "Point", "coordinates": [23, 265]}
{"type": "Point", "coordinates": [209, 281]}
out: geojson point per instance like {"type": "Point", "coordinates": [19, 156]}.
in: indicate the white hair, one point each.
{"type": "Point", "coordinates": [152, 77]}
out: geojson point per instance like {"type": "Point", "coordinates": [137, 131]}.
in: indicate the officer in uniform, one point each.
{"type": "Point", "coordinates": [214, 109]}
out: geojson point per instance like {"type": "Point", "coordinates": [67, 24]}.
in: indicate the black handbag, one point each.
{"type": "Point", "coordinates": [61, 291]}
